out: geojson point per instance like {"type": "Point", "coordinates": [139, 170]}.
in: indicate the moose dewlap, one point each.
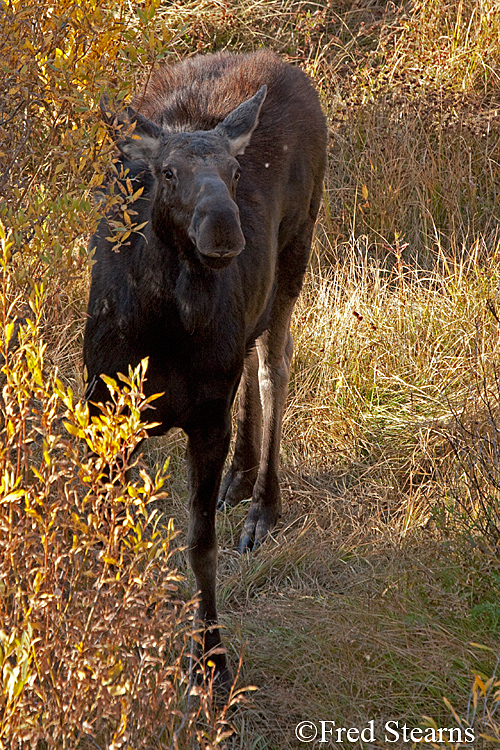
{"type": "Point", "coordinates": [230, 151]}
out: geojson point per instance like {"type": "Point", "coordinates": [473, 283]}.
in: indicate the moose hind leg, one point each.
{"type": "Point", "coordinates": [275, 349]}
{"type": "Point", "coordinates": [239, 481]}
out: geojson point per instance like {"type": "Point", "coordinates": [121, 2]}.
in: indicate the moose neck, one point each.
{"type": "Point", "coordinates": [194, 288]}
{"type": "Point", "coordinates": [198, 295]}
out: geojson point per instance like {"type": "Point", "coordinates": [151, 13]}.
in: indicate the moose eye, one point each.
{"type": "Point", "coordinates": [168, 174]}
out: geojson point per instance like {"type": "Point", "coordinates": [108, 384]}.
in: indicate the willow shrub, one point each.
{"type": "Point", "coordinates": [94, 638]}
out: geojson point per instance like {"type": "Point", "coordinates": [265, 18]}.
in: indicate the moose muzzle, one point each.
{"type": "Point", "coordinates": [215, 228]}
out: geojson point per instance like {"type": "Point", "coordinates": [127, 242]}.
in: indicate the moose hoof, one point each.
{"type": "Point", "coordinates": [217, 681]}
{"type": "Point", "coordinates": [257, 526]}
{"type": "Point", "coordinates": [236, 486]}
{"type": "Point", "coordinates": [223, 681]}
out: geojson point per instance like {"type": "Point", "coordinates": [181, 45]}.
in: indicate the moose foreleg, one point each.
{"type": "Point", "coordinates": [207, 449]}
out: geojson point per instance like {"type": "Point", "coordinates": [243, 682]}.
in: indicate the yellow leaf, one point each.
{"type": "Point", "coordinates": [9, 329]}
{"type": "Point", "coordinates": [16, 495]}
{"type": "Point", "coordinates": [109, 381]}
{"type": "Point", "coordinates": [118, 689]}
{"type": "Point", "coordinates": [109, 560]}
{"type": "Point", "coordinates": [73, 430]}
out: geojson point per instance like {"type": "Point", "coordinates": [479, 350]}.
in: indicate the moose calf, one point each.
{"type": "Point", "coordinates": [230, 151]}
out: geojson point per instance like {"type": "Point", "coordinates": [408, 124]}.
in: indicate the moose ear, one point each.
{"type": "Point", "coordinates": [241, 122]}
{"type": "Point", "coordinates": [136, 136]}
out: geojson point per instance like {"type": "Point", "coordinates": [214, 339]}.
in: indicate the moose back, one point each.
{"type": "Point", "coordinates": [230, 151]}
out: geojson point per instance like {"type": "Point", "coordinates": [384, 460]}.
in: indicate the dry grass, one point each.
{"type": "Point", "coordinates": [364, 603]}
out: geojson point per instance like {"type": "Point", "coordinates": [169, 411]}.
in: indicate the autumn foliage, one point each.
{"type": "Point", "coordinates": [95, 642]}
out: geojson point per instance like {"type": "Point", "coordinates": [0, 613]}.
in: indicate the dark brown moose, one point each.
{"type": "Point", "coordinates": [231, 151]}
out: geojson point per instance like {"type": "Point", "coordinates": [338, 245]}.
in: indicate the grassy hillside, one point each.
{"type": "Point", "coordinates": [378, 596]}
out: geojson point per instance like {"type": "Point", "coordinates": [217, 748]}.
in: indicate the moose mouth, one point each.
{"type": "Point", "coordinates": [216, 262]}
